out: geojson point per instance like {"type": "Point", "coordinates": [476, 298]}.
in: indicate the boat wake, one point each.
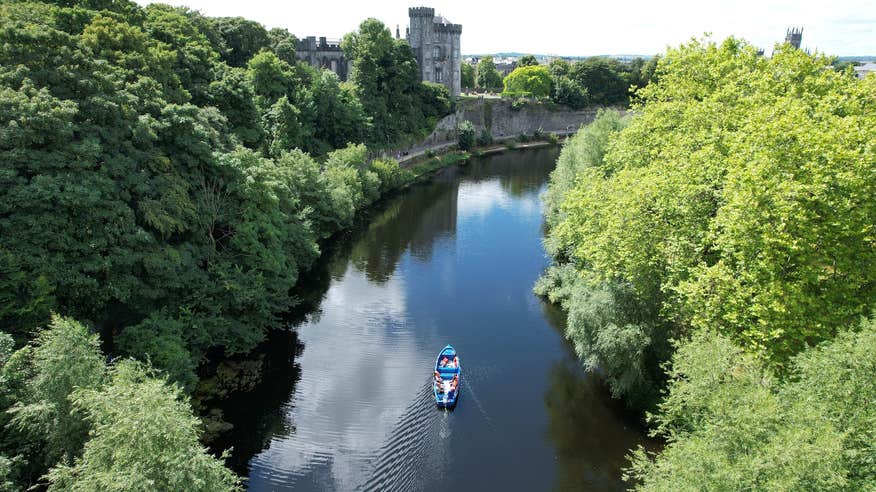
{"type": "Point", "coordinates": [469, 388]}
{"type": "Point", "coordinates": [413, 453]}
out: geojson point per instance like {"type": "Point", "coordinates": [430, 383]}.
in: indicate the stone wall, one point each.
{"type": "Point", "coordinates": [505, 122]}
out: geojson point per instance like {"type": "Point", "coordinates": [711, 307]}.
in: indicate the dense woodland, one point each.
{"type": "Point", "coordinates": [166, 179]}
{"type": "Point", "coordinates": [715, 251]}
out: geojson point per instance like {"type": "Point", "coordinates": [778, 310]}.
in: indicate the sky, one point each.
{"type": "Point", "coordinates": [580, 28]}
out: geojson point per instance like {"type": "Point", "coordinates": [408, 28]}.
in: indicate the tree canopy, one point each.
{"type": "Point", "coordinates": [529, 81]}
{"type": "Point", "coordinates": [488, 77]}
{"type": "Point", "coordinates": [724, 233]}
{"type": "Point", "coordinates": [468, 75]}
{"type": "Point", "coordinates": [168, 177]}
{"type": "Point", "coordinates": [386, 81]}
{"type": "Point", "coordinates": [731, 424]}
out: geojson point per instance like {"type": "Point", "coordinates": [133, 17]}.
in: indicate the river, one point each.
{"type": "Point", "coordinates": [346, 400]}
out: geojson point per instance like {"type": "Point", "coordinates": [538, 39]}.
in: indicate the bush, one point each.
{"type": "Point", "coordinates": [485, 138]}
{"type": "Point", "coordinates": [390, 174]}
{"type": "Point", "coordinates": [429, 153]}
{"type": "Point", "coordinates": [465, 135]}
{"type": "Point", "coordinates": [158, 339]}
{"type": "Point", "coordinates": [518, 103]}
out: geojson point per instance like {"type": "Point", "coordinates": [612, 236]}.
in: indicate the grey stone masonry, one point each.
{"type": "Point", "coordinates": [435, 42]}
{"type": "Point", "coordinates": [323, 53]}
{"type": "Point", "coordinates": [794, 36]}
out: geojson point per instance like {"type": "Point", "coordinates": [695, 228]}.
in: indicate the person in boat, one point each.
{"type": "Point", "coordinates": [454, 383]}
{"type": "Point", "coordinates": [444, 361]}
{"type": "Point", "coordinates": [439, 383]}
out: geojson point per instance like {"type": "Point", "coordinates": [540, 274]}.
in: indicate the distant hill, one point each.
{"type": "Point", "coordinates": [514, 54]}
{"type": "Point", "coordinates": [856, 58]}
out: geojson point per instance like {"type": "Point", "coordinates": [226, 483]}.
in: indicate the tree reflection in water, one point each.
{"type": "Point", "coordinates": [591, 432]}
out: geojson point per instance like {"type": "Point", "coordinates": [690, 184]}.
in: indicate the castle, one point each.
{"type": "Point", "coordinates": [323, 54]}
{"type": "Point", "coordinates": [435, 42]}
{"type": "Point", "coordinates": [794, 36]}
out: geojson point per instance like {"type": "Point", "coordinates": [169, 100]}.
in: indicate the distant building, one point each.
{"type": "Point", "coordinates": [435, 42]}
{"type": "Point", "coordinates": [324, 53]}
{"type": "Point", "coordinates": [794, 37]}
{"type": "Point", "coordinates": [865, 68]}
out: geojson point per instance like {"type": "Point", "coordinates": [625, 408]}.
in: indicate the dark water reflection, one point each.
{"type": "Point", "coordinates": [347, 403]}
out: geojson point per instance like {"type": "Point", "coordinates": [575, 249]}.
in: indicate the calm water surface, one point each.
{"type": "Point", "coordinates": [347, 404]}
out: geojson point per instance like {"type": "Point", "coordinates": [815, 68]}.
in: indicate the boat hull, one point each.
{"type": "Point", "coordinates": [446, 398]}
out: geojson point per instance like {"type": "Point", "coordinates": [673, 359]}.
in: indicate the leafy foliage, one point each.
{"type": "Point", "coordinates": [467, 76]}
{"type": "Point", "coordinates": [744, 220]}
{"type": "Point", "coordinates": [488, 78]}
{"type": "Point", "coordinates": [712, 211]}
{"type": "Point", "coordinates": [599, 80]}
{"type": "Point", "coordinates": [158, 181]}
{"type": "Point", "coordinates": [530, 81]}
{"type": "Point", "coordinates": [128, 431]}
{"type": "Point", "coordinates": [527, 61]}
{"type": "Point", "coordinates": [730, 424]}
{"type": "Point", "coordinates": [570, 93]}
{"type": "Point", "coordinates": [44, 426]}
{"type": "Point", "coordinates": [386, 81]}
{"type": "Point", "coordinates": [143, 437]}
{"type": "Point", "coordinates": [465, 135]}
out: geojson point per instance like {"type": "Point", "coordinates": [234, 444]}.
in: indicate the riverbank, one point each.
{"type": "Point", "coordinates": [240, 374]}
{"type": "Point", "coordinates": [433, 264]}
{"type": "Point", "coordinates": [422, 164]}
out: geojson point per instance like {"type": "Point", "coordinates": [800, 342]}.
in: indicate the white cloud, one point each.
{"type": "Point", "coordinates": [359, 351]}
{"type": "Point", "coordinates": [479, 198]}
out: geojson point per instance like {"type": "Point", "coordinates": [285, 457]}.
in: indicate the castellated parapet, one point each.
{"type": "Point", "coordinates": [435, 42]}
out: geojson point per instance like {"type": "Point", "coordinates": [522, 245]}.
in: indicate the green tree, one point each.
{"type": "Point", "coordinates": [468, 76]}
{"type": "Point", "coordinates": [64, 357]}
{"type": "Point", "coordinates": [195, 57]}
{"type": "Point", "coordinates": [144, 437]}
{"type": "Point", "coordinates": [241, 39]}
{"type": "Point", "coordinates": [25, 302]}
{"type": "Point", "coordinates": [465, 135]}
{"type": "Point", "coordinates": [527, 61]}
{"type": "Point", "coordinates": [604, 78]}
{"type": "Point", "coordinates": [386, 79]}
{"type": "Point", "coordinates": [731, 424]}
{"type": "Point", "coordinates": [559, 68]}
{"type": "Point", "coordinates": [233, 94]}
{"type": "Point", "coordinates": [531, 81]}
{"type": "Point", "coordinates": [570, 93]}
{"type": "Point", "coordinates": [702, 205]}
{"type": "Point", "coordinates": [488, 78]}
{"type": "Point", "coordinates": [283, 44]}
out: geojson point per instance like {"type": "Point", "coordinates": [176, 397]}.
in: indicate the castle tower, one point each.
{"type": "Point", "coordinates": [435, 42]}
{"type": "Point", "coordinates": [794, 36]}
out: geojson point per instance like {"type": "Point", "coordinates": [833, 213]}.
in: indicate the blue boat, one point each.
{"type": "Point", "coordinates": [447, 388]}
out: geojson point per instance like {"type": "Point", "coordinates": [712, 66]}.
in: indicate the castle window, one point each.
{"type": "Point", "coordinates": [439, 75]}
{"type": "Point", "coordinates": [437, 53]}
